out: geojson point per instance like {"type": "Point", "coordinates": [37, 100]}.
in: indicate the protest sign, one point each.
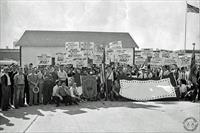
{"type": "Point", "coordinates": [139, 61]}
{"type": "Point", "coordinates": [109, 55]}
{"type": "Point", "coordinates": [98, 58]}
{"type": "Point", "coordinates": [183, 61]}
{"type": "Point", "coordinates": [80, 62]}
{"type": "Point", "coordinates": [156, 54]}
{"type": "Point", "coordinates": [124, 56]}
{"type": "Point", "coordinates": [98, 54]}
{"type": "Point", "coordinates": [44, 60]}
{"type": "Point", "coordinates": [168, 61]}
{"type": "Point", "coordinates": [87, 49]}
{"type": "Point", "coordinates": [165, 54]}
{"type": "Point", "coordinates": [62, 59]}
{"type": "Point", "coordinates": [148, 52]}
{"type": "Point", "coordinates": [73, 50]}
{"type": "Point", "coordinates": [59, 58]}
{"type": "Point", "coordinates": [156, 61]}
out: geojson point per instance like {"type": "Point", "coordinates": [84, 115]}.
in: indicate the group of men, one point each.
{"type": "Point", "coordinates": [30, 85]}
{"type": "Point", "coordinates": [20, 87]}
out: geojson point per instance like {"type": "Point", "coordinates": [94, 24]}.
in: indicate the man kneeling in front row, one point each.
{"type": "Point", "coordinates": [63, 93]}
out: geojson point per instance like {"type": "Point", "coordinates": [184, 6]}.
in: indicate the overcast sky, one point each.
{"type": "Point", "coordinates": [151, 23]}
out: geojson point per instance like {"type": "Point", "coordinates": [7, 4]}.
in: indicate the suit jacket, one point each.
{"type": "Point", "coordinates": [4, 80]}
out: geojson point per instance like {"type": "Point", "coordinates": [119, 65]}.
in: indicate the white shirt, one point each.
{"type": "Point", "coordinates": [1, 74]}
{"type": "Point", "coordinates": [72, 91]}
{"type": "Point", "coordinates": [183, 88]}
{"type": "Point", "coordinates": [55, 90]}
{"type": "Point", "coordinates": [62, 75]}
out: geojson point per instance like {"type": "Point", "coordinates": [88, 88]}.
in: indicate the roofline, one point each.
{"type": "Point", "coordinates": [17, 44]}
{"type": "Point", "coordinates": [75, 31]}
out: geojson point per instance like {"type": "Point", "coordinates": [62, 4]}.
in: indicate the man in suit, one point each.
{"type": "Point", "coordinates": [6, 84]}
{"type": "Point", "coordinates": [11, 74]}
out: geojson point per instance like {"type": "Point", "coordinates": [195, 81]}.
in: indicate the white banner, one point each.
{"type": "Point", "coordinates": [147, 90]}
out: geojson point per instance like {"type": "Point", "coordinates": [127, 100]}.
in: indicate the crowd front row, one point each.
{"type": "Point", "coordinates": [20, 87]}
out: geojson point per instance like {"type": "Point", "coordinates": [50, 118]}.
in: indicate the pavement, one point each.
{"type": "Point", "coordinates": [102, 116]}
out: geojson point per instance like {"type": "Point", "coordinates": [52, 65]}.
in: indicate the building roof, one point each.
{"type": "Point", "coordinates": [59, 38]}
{"type": "Point", "coordinates": [9, 54]}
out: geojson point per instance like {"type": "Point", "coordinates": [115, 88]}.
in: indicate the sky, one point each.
{"type": "Point", "coordinates": [151, 23]}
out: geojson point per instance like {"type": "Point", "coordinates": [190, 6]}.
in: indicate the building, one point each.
{"type": "Point", "coordinates": [9, 56]}
{"type": "Point", "coordinates": [37, 43]}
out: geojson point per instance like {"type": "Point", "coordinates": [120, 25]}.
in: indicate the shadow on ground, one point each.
{"type": "Point", "coordinates": [23, 113]}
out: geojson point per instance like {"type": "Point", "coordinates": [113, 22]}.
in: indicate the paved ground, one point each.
{"type": "Point", "coordinates": [102, 117]}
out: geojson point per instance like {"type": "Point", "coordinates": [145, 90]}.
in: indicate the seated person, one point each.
{"type": "Point", "coordinates": [74, 94]}
{"type": "Point", "coordinates": [57, 98]}
{"type": "Point", "coordinates": [183, 88]}
{"type": "Point", "coordinates": [65, 92]}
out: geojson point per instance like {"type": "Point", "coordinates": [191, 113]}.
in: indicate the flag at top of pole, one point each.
{"type": "Point", "coordinates": [192, 9]}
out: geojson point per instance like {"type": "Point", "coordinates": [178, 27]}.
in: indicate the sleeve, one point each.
{"type": "Point", "coordinates": [15, 79]}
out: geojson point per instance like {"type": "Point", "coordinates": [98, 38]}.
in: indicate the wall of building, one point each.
{"type": "Point", "coordinates": [30, 54]}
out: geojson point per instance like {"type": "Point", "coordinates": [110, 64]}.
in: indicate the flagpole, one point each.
{"type": "Point", "coordinates": [199, 24]}
{"type": "Point", "coordinates": [185, 26]}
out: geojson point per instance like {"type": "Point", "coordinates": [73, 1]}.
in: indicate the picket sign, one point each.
{"type": "Point", "coordinates": [44, 60]}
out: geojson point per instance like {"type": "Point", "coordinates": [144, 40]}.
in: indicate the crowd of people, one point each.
{"type": "Point", "coordinates": [55, 84]}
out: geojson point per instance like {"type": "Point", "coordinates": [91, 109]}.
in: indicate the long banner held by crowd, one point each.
{"type": "Point", "coordinates": [147, 90]}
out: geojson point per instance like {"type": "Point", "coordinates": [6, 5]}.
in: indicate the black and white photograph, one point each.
{"type": "Point", "coordinates": [99, 66]}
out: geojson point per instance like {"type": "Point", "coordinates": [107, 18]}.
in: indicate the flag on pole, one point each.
{"type": "Point", "coordinates": [192, 9]}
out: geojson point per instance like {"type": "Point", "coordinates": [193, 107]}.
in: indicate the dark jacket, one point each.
{"type": "Point", "coordinates": [4, 80]}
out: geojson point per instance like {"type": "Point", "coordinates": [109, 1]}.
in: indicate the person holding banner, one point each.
{"type": "Point", "coordinates": [109, 79]}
